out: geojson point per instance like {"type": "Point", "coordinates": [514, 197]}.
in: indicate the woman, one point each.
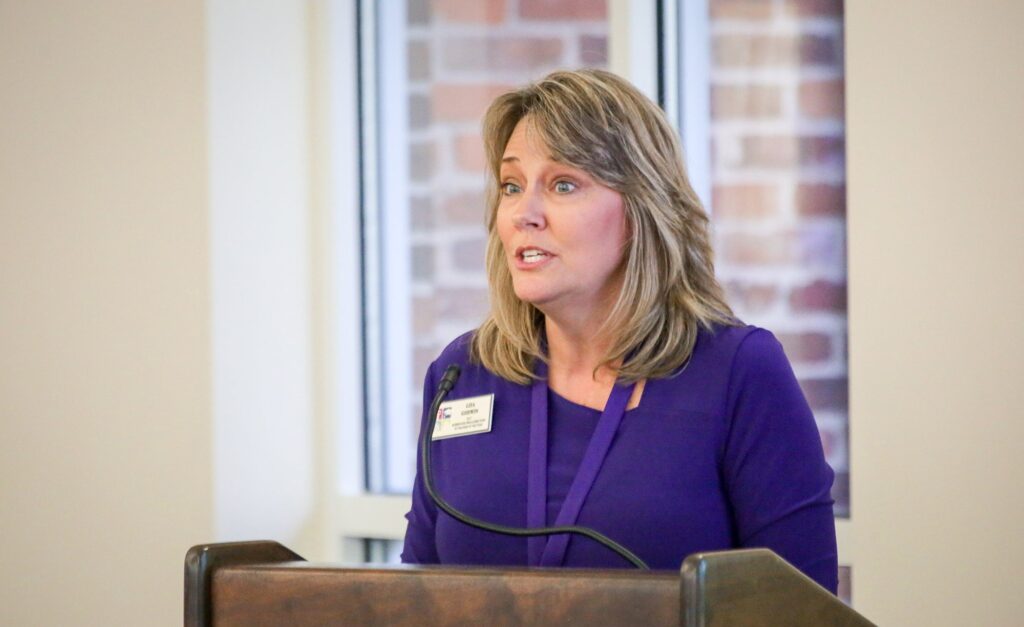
{"type": "Point", "coordinates": [626, 397]}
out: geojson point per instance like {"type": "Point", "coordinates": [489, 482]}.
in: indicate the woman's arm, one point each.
{"type": "Point", "coordinates": [774, 468]}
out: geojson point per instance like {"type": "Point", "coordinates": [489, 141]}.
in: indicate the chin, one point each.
{"type": "Point", "coordinates": [537, 298]}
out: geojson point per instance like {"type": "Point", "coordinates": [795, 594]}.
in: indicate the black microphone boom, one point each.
{"type": "Point", "coordinates": [451, 375]}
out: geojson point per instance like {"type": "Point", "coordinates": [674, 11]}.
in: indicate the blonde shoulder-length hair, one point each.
{"type": "Point", "coordinates": [601, 124]}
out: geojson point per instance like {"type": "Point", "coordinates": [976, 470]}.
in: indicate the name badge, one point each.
{"type": "Point", "coordinates": [464, 416]}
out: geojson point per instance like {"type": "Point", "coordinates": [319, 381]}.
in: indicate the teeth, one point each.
{"type": "Point", "coordinates": [533, 256]}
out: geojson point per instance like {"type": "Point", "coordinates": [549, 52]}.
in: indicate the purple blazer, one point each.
{"type": "Point", "coordinates": [723, 454]}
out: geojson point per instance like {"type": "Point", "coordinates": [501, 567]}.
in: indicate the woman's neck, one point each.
{"type": "Point", "coordinates": [575, 363]}
{"type": "Point", "coordinates": [575, 371]}
{"type": "Point", "coordinates": [575, 348]}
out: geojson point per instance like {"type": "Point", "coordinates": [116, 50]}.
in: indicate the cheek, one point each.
{"type": "Point", "coordinates": [503, 226]}
{"type": "Point", "coordinates": [610, 228]}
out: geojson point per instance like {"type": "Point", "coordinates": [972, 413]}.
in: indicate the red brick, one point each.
{"type": "Point", "coordinates": [750, 50]}
{"type": "Point", "coordinates": [829, 443]}
{"type": "Point", "coordinates": [821, 200]}
{"type": "Point", "coordinates": [743, 50]}
{"type": "Point", "coordinates": [820, 246]}
{"type": "Point", "coordinates": [821, 50]}
{"type": "Point", "coordinates": [462, 305]}
{"type": "Point", "coordinates": [421, 213]}
{"type": "Point", "coordinates": [423, 356]}
{"type": "Point", "coordinates": [747, 249]}
{"type": "Point", "coordinates": [501, 54]}
{"type": "Point", "coordinates": [814, 8]}
{"type": "Point", "coordinates": [418, 62]}
{"type": "Point", "coordinates": [845, 590]}
{"type": "Point", "coordinates": [594, 50]}
{"type": "Point", "coordinates": [788, 151]}
{"type": "Point", "coordinates": [837, 454]}
{"type": "Point", "coordinates": [469, 153]}
{"type": "Point", "coordinates": [748, 298]}
{"type": "Point", "coordinates": [827, 394]}
{"type": "Point", "coordinates": [422, 161]}
{"type": "Point", "coordinates": [469, 254]}
{"type": "Point", "coordinates": [822, 99]}
{"type": "Point", "coordinates": [819, 296]}
{"type": "Point", "coordinates": [813, 244]}
{"type": "Point", "coordinates": [740, 9]}
{"type": "Point", "coordinates": [425, 317]}
{"type": "Point", "coordinates": [834, 442]}
{"type": "Point", "coordinates": [821, 150]}
{"type": "Point", "coordinates": [776, 151]}
{"type": "Point", "coordinates": [465, 208]}
{"type": "Point", "coordinates": [422, 262]}
{"type": "Point", "coordinates": [472, 11]}
{"type": "Point", "coordinates": [745, 101]}
{"type": "Point", "coordinates": [744, 200]}
{"type": "Point", "coordinates": [463, 103]}
{"type": "Point", "coordinates": [806, 347]}
{"type": "Point", "coordinates": [415, 418]}
{"type": "Point", "coordinates": [563, 9]}
{"type": "Point", "coordinates": [419, 111]}
{"type": "Point", "coordinates": [418, 12]}
{"type": "Point", "coordinates": [841, 494]}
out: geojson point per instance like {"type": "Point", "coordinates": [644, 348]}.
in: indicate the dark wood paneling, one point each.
{"type": "Point", "coordinates": [302, 596]}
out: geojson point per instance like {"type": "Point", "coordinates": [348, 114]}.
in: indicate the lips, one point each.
{"type": "Point", "coordinates": [532, 254]}
{"type": "Point", "coordinates": [531, 257]}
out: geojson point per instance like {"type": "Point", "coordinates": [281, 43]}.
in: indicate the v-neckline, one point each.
{"type": "Point", "coordinates": [595, 410]}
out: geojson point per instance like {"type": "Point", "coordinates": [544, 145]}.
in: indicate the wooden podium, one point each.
{"type": "Point", "coordinates": [264, 583]}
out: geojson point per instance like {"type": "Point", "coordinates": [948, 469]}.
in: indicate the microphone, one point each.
{"type": "Point", "coordinates": [451, 375]}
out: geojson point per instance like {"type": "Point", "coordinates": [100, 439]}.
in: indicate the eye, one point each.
{"type": "Point", "coordinates": [507, 189]}
{"type": "Point", "coordinates": [565, 187]}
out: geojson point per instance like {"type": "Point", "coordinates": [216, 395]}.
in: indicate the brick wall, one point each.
{"type": "Point", "coordinates": [778, 190]}
{"type": "Point", "coordinates": [778, 197]}
{"type": "Point", "coordinates": [461, 54]}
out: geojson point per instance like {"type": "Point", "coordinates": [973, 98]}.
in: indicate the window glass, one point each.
{"type": "Point", "coordinates": [440, 63]}
{"type": "Point", "coordinates": [779, 190]}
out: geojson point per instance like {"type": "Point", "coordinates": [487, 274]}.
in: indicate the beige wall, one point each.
{"type": "Point", "coordinates": [105, 428]}
{"type": "Point", "coordinates": [105, 309]}
{"type": "Point", "coordinates": [935, 92]}
{"type": "Point", "coordinates": [266, 464]}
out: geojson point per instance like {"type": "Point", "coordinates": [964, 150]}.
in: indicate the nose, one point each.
{"type": "Point", "coordinates": [530, 211]}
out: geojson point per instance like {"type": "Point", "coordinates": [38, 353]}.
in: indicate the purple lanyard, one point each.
{"type": "Point", "coordinates": [550, 551]}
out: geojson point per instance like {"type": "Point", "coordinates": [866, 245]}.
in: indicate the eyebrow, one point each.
{"type": "Point", "coordinates": [509, 159]}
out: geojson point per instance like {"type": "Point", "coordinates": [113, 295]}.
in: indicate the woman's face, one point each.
{"type": "Point", "coordinates": [563, 232]}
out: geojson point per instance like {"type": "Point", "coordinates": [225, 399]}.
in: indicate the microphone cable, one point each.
{"type": "Point", "coordinates": [451, 375]}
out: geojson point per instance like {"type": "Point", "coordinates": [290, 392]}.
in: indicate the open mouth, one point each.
{"type": "Point", "coordinates": [533, 255]}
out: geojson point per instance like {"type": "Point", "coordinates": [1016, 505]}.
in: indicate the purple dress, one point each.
{"type": "Point", "coordinates": [723, 454]}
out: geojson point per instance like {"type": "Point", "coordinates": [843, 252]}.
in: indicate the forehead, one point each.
{"type": "Point", "coordinates": [526, 141]}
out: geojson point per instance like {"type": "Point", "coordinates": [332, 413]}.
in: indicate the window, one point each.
{"type": "Point", "coordinates": [756, 90]}
{"type": "Point", "coordinates": [431, 70]}
{"type": "Point", "coordinates": [778, 191]}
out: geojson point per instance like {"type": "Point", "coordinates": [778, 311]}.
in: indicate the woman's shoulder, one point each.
{"type": "Point", "coordinates": [457, 351]}
{"type": "Point", "coordinates": [723, 358]}
{"type": "Point", "coordinates": [726, 361]}
{"type": "Point", "coordinates": [743, 355]}
{"type": "Point", "coordinates": [727, 342]}
{"type": "Point", "coordinates": [473, 376]}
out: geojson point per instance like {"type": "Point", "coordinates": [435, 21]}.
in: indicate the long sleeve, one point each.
{"type": "Point", "coordinates": [725, 454]}
{"type": "Point", "coordinates": [775, 474]}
